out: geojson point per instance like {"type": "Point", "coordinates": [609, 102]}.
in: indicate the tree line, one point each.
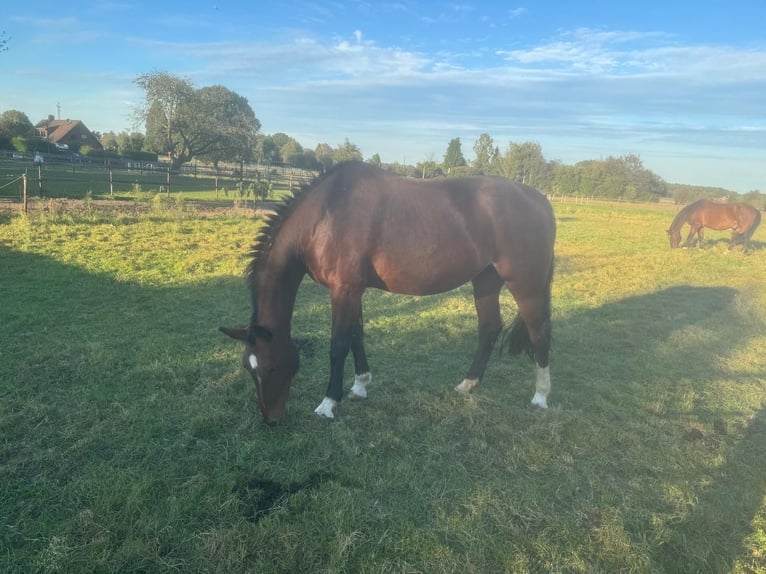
{"type": "Point", "coordinates": [213, 125]}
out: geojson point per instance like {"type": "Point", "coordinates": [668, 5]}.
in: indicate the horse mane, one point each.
{"type": "Point", "coordinates": [273, 223]}
{"type": "Point", "coordinates": [682, 215]}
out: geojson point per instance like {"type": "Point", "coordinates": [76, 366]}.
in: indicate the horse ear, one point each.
{"type": "Point", "coordinates": [247, 335]}
{"type": "Point", "coordinates": [238, 333]}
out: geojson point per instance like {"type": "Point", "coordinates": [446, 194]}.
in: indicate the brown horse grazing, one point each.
{"type": "Point", "coordinates": [358, 226]}
{"type": "Point", "coordinates": [741, 218]}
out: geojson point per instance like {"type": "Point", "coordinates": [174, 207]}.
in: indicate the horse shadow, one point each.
{"type": "Point", "coordinates": [641, 334]}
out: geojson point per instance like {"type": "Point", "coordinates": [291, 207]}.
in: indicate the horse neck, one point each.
{"type": "Point", "coordinates": [680, 218]}
{"type": "Point", "coordinates": [277, 287]}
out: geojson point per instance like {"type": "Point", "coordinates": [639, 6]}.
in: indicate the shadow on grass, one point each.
{"type": "Point", "coordinates": [726, 508]}
{"type": "Point", "coordinates": [628, 354]}
{"type": "Point", "coordinates": [62, 326]}
{"type": "Point", "coordinates": [623, 357]}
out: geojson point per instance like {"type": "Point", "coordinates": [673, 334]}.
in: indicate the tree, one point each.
{"type": "Point", "coordinates": [454, 156]}
{"type": "Point", "coordinates": [375, 160]}
{"type": "Point", "coordinates": [347, 152]}
{"type": "Point", "coordinates": [129, 142]}
{"type": "Point", "coordinates": [525, 163]}
{"type": "Point", "coordinates": [229, 128]}
{"type": "Point", "coordinates": [614, 178]}
{"type": "Point", "coordinates": [324, 155]}
{"type": "Point", "coordinates": [269, 151]}
{"type": "Point", "coordinates": [183, 122]}
{"type": "Point", "coordinates": [165, 94]}
{"type": "Point", "coordinates": [3, 42]}
{"type": "Point", "coordinates": [14, 123]}
{"type": "Point", "coordinates": [109, 141]}
{"type": "Point", "coordinates": [428, 168]}
{"type": "Point", "coordinates": [484, 148]}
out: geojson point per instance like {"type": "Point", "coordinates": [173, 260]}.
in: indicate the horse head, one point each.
{"type": "Point", "coordinates": [272, 362]}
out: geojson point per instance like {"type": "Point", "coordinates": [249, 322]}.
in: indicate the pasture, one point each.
{"type": "Point", "coordinates": [129, 439]}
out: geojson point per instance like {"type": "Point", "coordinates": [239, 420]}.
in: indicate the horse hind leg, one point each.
{"type": "Point", "coordinates": [486, 296]}
{"type": "Point", "coordinates": [533, 326]}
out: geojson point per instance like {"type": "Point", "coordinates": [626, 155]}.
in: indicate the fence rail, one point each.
{"type": "Point", "coordinates": [74, 178]}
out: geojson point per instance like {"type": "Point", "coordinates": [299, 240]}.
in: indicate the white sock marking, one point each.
{"type": "Point", "coordinates": [326, 407]}
{"type": "Point", "coordinates": [253, 362]}
{"type": "Point", "coordinates": [359, 388]}
{"type": "Point", "coordinates": [466, 386]}
{"type": "Point", "coordinates": [542, 387]}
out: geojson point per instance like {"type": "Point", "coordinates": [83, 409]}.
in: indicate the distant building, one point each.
{"type": "Point", "coordinates": [66, 134]}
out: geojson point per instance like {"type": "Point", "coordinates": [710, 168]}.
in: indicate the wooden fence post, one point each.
{"type": "Point", "coordinates": [24, 191]}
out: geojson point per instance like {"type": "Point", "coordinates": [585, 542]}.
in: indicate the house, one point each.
{"type": "Point", "coordinates": [66, 134]}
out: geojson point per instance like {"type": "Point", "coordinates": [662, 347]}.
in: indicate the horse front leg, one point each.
{"type": "Point", "coordinates": [690, 241]}
{"type": "Point", "coordinates": [486, 295]}
{"type": "Point", "coordinates": [346, 304]}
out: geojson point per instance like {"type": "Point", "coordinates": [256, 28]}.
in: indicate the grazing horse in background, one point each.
{"type": "Point", "coordinates": [358, 226]}
{"type": "Point", "coordinates": [741, 218]}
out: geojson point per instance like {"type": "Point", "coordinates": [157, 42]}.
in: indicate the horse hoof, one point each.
{"type": "Point", "coordinates": [359, 388]}
{"type": "Point", "coordinates": [466, 386]}
{"type": "Point", "coordinates": [325, 409]}
{"type": "Point", "coordinates": [540, 401]}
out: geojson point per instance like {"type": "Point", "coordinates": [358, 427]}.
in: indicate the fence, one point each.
{"type": "Point", "coordinates": [74, 177]}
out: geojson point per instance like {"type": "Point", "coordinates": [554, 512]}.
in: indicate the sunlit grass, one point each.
{"type": "Point", "coordinates": [128, 431]}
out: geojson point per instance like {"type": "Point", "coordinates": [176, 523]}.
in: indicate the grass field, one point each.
{"type": "Point", "coordinates": [129, 440]}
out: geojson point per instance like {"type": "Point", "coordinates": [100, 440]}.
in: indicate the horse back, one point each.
{"type": "Point", "coordinates": [373, 228]}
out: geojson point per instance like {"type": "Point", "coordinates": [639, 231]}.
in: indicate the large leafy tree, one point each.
{"type": "Point", "coordinates": [14, 123]}
{"type": "Point", "coordinates": [524, 162]}
{"type": "Point", "coordinates": [15, 128]}
{"type": "Point", "coordinates": [212, 123]}
{"type": "Point", "coordinates": [347, 151]}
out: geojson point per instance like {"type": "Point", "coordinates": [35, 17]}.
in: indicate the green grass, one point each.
{"type": "Point", "coordinates": [129, 440]}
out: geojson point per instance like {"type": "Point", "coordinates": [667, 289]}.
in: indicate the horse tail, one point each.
{"type": "Point", "coordinates": [754, 225]}
{"type": "Point", "coordinates": [516, 337]}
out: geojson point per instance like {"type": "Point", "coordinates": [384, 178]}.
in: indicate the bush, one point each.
{"type": "Point", "coordinates": [141, 156]}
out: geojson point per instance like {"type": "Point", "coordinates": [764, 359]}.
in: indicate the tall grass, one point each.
{"type": "Point", "coordinates": [129, 440]}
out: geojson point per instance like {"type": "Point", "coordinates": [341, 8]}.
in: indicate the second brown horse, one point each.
{"type": "Point", "coordinates": [741, 218]}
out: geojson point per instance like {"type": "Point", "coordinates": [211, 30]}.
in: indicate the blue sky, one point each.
{"type": "Point", "coordinates": [680, 84]}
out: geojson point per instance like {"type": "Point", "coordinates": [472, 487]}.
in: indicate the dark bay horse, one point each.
{"type": "Point", "coordinates": [358, 226]}
{"type": "Point", "coordinates": [741, 218]}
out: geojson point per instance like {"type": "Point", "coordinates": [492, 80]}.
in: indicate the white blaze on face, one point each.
{"type": "Point", "coordinates": [253, 362]}
{"type": "Point", "coordinates": [542, 387]}
{"type": "Point", "coordinates": [359, 388]}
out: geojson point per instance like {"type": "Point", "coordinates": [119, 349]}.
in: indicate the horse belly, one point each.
{"type": "Point", "coordinates": [425, 275]}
